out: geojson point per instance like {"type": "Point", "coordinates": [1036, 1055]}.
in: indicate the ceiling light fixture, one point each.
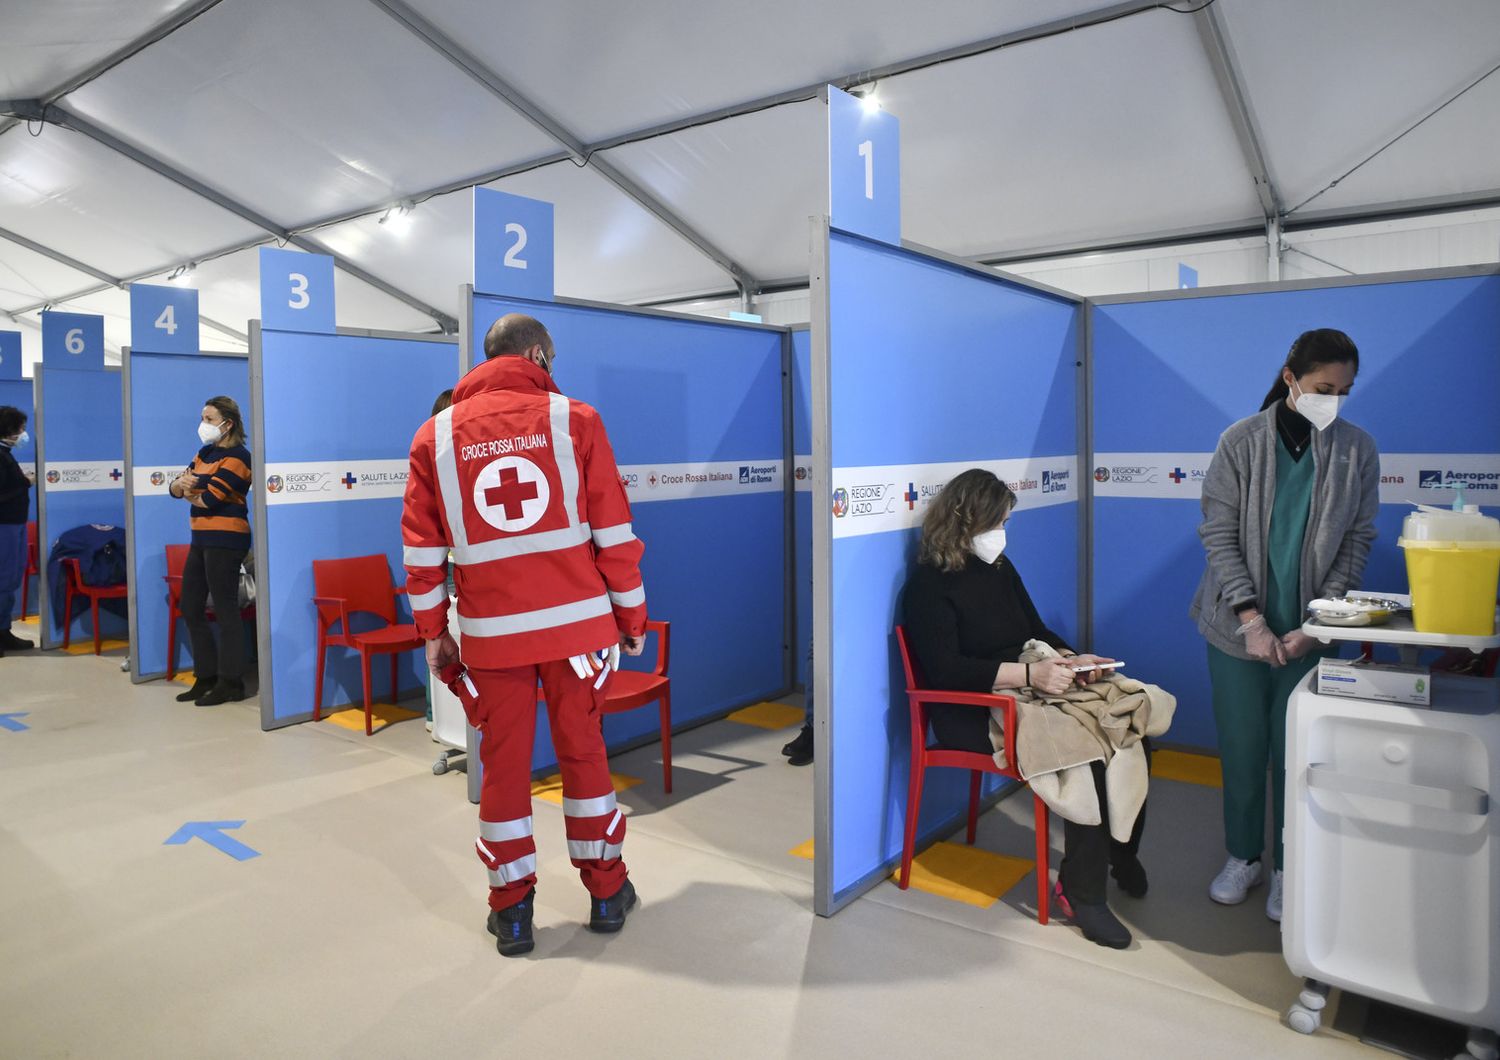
{"type": "Point", "coordinates": [867, 94]}
{"type": "Point", "coordinates": [397, 219]}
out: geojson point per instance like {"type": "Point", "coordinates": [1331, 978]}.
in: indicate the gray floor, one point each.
{"type": "Point", "coordinates": [359, 931]}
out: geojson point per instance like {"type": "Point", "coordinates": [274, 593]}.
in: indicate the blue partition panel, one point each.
{"type": "Point", "coordinates": [932, 368]}
{"type": "Point", "coordinates": [82, 474]}
{"type": "Point", "coordinates": [1426, 392]}
{"type": "Point", "coordinates": [338, 412]}
{"type": "Point", "coordinates": [166, 394]}
{"type": "Point", "coordinates": [678, 397]}
{"type": "Point", "coordinates": [803, 508]}
{"type": "Point", "coordinates": [18, 393]}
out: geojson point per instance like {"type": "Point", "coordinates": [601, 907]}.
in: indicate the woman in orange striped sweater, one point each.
{"type": "Point", "coordinates": [217, 485]}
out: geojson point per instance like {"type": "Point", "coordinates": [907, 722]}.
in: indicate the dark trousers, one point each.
{"type": "Point", "coordinates": [214, 574]}
{"type": "Point", "coordinates": [12, 569]}
{"type": "Point", "coordinates": [1088, 849]}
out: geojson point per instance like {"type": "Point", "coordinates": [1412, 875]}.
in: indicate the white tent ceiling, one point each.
{"type": "Point", "coordinates": [681, 139]}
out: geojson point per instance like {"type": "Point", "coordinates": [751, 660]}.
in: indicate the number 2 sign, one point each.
{"type": "Point", "coordinates": [512, 245]}
{"type": "Point", "coordinates": [296, 291]}
{"type": "Point", "coordinates": [163, 319]}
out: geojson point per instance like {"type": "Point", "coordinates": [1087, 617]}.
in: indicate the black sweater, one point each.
{"type": "Point", "coordinates": [962, 625]}
{"type": "Point", "coordinates": [15, 490]}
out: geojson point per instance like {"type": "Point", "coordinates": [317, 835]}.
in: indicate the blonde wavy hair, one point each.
{"type": "Point", "coordinates": [971, 503]}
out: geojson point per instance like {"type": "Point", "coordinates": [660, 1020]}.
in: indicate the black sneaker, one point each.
{"type": "Point", "coordinates": [512, 927]}
{"type": "Point", "coordinates": [222, 692]}
{"type": "Point", "coordinates": [1098, 924]}
{"type": "Point", "coordinates": [607, 915]}
{"type": "Point", "coordinates": [1131, 876]}
{"type": "Point", "coordinates": [10, 642]}
{"type": "Point", "coordinates": [800, 751]}
{"type": "Point", "coordinates": [202, 686]}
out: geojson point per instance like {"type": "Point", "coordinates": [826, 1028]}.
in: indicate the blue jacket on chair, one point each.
{"type": "Point", "coordinates": [100, 552]}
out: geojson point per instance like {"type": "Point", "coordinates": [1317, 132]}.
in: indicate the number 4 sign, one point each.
{"type": "Point", "coordinates": [512, 245]}
{"type": "Point", "coordinates": [163, 319]}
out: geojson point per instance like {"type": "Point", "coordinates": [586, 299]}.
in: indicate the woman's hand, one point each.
{"type": "Point", "coordinates": [1088, 677]}
{"type": "Point", "coordinates": [1261, 644]}
{"type": "Point", "coordinates": [1297, 644]}
{"type": "Point", "coordinates": [1052, 677]}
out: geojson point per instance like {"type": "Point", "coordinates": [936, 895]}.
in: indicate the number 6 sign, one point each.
{"type": "Point", "coordinates": [296, 291]}
{"type": "Point", "coordinates": [512, 245]}
{"type": "Point", "coordinates": [73, 340]}
{"type": "Point", "coordinates": [163, 319]}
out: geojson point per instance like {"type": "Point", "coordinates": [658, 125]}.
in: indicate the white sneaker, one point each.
{"type": "Point", "coordinates": [1234, 881]}
{"type": "Point", "coordinates": [1273, 900]}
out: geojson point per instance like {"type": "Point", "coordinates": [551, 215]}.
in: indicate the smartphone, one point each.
{"type": "Point", "coordinates": [1098, 666]}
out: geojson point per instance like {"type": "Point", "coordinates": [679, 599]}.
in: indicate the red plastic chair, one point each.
{"type": "Point", "coordinates": [347, 587]}
{"type": "Point", "coordinates": [31, 568]}
{"type": "Point", "coordinates": [923, 756]}
{"type": "Point", "coordinates": [176, 563]}
{"type": "Point", "coordinates": [631, 689]}
{"type": "Point", "coordinates": [77, 587]}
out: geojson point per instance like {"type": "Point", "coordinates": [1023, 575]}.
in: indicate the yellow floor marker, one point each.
{"type": "Point", "coordinates": [1187, 768]}
{"type": "Point", "coordinates": [549, 789]}
{"type": "Point", "coordinates": [769, 716]}
{"type": "Point", "coordinates": [188, 678]}
{"type": "Point", "coordinates": [86, 647]}
{"type": "Point", "coordinates": [802, 850]}
{"type": "Point", "coordinates": [966, 874]}
{"type": "Point", "coordinates": [381, 715]}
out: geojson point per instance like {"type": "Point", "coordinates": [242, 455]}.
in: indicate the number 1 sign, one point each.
{"type": "Point", "coordinates": [163, 319]}
{"type": "Point", "coordinates": [512, 245]}
{"type": "Point", "coordinates": [864, 168]}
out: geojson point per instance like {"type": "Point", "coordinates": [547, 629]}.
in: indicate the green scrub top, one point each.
{"type": "Point", "coordinates": [1289, 514]}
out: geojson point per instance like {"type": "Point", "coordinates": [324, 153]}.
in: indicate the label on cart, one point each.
{"type": "Point", "coordinates": [1382, 682]}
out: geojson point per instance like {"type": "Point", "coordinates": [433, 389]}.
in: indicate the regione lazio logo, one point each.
{"type": "Point", "coordinates": [511, 494]}
{"type": "Point", "coordinates": [53, 477]}
{"type": "Point", "coordinates": [840, 502]}
{"type": "Point", "coordinates": [273, 484]}
{"type": "Point", "coordinates": [157, 478]}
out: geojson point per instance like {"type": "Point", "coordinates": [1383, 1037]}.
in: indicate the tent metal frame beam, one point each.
{"type": "Point", "coordinates": [163, 29]}
{"type": "Point", "coordinates": [57, 114]}
{"type": "Point", "coordinates": [1237, 101]}
{"type": "Point", "coordinates": [577, 150]}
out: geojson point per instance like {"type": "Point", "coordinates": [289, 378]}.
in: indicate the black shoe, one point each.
{"type": "Point", "coordinates": [607, 915]}
{"type": "Point", "coordinates": [223, 692]}
{"type": "Point", "coordinates": [201, 687]}
{"type": "Point", "coordinates": [800, 751]}
{"type": "Point", "coordinates": [1098, 924]}
{"type": "Point", "coordinates": [1131, 876]}
{"type": "Point", "coordinates": [10, 642]}
{"type": "Point", "coordinates": [512, 927]}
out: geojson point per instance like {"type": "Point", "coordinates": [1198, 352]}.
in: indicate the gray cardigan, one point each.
{"type": "Point", "coordinates": [1238, 494]}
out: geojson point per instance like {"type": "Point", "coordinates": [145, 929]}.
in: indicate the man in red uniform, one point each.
{"type": "Point", "coordinates": [520, 483]}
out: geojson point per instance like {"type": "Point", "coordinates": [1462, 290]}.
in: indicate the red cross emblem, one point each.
{"type": "Point", "coordinates": [511, 493]}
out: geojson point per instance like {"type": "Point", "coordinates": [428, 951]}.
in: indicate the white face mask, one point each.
{"type": "Point", "coordinates": [989, 545]}
{"type": "Point", "coordinates": [21, 439]}
{"type": "Point", "coordinates": [209, 433]}
{"type": "Point", "coordinates": [1319, 409]}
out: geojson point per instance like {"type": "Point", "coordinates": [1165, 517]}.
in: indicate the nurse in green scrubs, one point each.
{"type": "Point", "coordinates": [1289, 506]}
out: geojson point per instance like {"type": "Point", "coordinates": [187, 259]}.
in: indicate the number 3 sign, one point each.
{"type": "Point", "coordinates": [296, 291]}
{"type": "Point", "coordinates": [163, 319]}
{"type": "Point", "coordinates": [512, 245]}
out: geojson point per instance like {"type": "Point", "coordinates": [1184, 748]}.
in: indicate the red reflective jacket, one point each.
{"type": "Point", "coordinates": [520, 484]}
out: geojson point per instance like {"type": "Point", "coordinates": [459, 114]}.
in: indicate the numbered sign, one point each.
{"type": "Point", "coordinates": [512, 245]}
{"type": "Point", "coordinates": [163, 319]}
{"type": "Point", "coordinates": [296, 291]}
{"type": "Point", "coordinates": [1187, 276]}
{"type": "Point", "coordinates": [73, 340]}
{"type": "Point", "coordinates": [864, 168]}
{"type": "Point", "coordinates": [10, 355]}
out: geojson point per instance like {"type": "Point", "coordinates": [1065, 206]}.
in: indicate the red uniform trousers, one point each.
{"type": "Point", "coordinates": [595, 825]}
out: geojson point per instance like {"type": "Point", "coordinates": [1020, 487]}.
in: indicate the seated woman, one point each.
{"type": "Point", "coordinates": [968, 617]}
